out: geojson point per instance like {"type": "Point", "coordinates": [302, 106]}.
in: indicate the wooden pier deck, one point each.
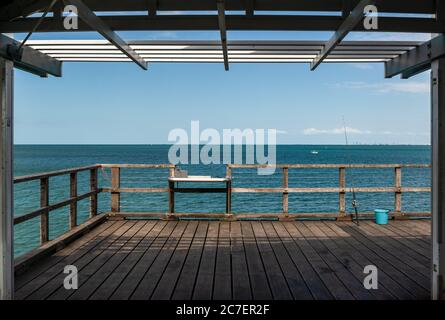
{"type": "Point", "coordinates": [147, 259]}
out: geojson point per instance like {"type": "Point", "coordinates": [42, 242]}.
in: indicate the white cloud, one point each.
{"type": "Point", "coordinates": [388, 36]}
{"type": "Point", "coordinates": [362, 66]}
{"type": "Point", "coordinates": [349, 130]}
{"type": "Point", "coordinates": [355, 131]}
{"type": "Point", "coordinates": [408, 87]}
{"type": "Point", "coordinates": [387, 87]}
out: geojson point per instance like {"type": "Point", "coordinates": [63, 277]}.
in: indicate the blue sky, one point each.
{"type": "Point", "coordinates": [119, 103]}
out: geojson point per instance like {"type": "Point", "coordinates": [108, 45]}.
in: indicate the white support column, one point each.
{"type": "Point", "coordinates": [438, 177]}
{"type": "Point", "coordinates": [6, 183]}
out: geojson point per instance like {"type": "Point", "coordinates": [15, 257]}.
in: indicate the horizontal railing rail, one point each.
{"type": "Point", "coordinates": [331, 190]}
{"type": "Point", "coordinates": [37, 176]}
{"type": "Point", "coordinates": [140, 166]}
{"type": "Point", "coordinates": [325, 166]}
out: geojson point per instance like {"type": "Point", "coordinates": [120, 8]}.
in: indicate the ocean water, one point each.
{"type": "Point", "coordinates": [42, 158]}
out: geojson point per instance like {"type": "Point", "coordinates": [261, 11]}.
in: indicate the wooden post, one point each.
{"type": "Point", "coordinates": [44, 217]}
{"type": "Point", "coordinates": [342, 193]}
{"type": "Point", "coordinates": [171, 194]}
{"type": "Point", "coordinates": [6, 184]}
{"type": "Point", "coordinates": [229, 198]}
{"type": "Point", "coordinates": [229, 214]}
{"type": "Point", "coordinates": [398, 192]}
{"type": "Point", "coordinates": [285, 192]}
{"type": "Point", "coordinates": [438, 178]}
{"type": "Point", "coordinates": [73, 194]}
{"type": "Point", "coordinates": [171, 172]}
{"type": "Point", "coordinates": [115, 185]}
{"type": "Point", "coordinates": [93, 188]}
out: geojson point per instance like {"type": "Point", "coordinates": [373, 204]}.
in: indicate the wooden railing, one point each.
{"type": "Point", "coordinates": [115, 189]}
{"type": "Point", "coordinates": [46, 207]}
{"type": "Point", "coordinates": [285, 190]}
{"type": "Point", "coordinates": [397, 189]}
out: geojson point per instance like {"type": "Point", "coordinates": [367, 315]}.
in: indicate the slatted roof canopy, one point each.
{"type": "Point", "coordinates": [338, 16]}
{"type": "Point", "coordinates": [210, 51]}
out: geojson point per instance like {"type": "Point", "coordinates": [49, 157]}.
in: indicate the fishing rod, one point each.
{"type": "Point", "coordinates": [354, 197]}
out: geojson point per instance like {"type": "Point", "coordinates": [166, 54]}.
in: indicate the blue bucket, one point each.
{"type": "Point", "coordinates": [381, 216]}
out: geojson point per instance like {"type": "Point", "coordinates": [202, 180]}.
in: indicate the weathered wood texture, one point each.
{"type": "Point", "coordinates": [44, 203]}
{"type": "Point", "coordinates": [342, 193]}
{"type": "Point", "coordinates": [115, 185]}
{"type": "Point", "coordinates": [139, 259]}
{"type": "Point", "coordinates": [73, 194]}
{"type": "Point", "coordinates": [93, 189]}
{"type": "Point", "coordinates": [285, 193]}
{"type": "Point", "coordinates": [46, 207]}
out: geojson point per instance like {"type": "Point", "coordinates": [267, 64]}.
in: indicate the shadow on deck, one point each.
{"type": "Point", "coordinates": [146, 259]}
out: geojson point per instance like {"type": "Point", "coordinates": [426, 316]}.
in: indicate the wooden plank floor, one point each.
{"type": "Point", "coordinates": [137, 259]}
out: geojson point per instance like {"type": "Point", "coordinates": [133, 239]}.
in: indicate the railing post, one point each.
{"type": "Point", "coordinates": [229, 214]}
{"type": "Point", "coordinates": [398, 192]}
{"type": "Point", "coordinates": [342, 192]}
{"type": "Point", "coordinates": [94, 196]}
{"type": "Point", "coordinates": [115, 185]}
{"type": "Point", "coordinates": [285, 192]}
{"type": "Point", "coordinates": [171, 194]}
{"type": "Point", "coordinates": [44, 202]}
{"type": "Point", "coordinates": [73, 194]}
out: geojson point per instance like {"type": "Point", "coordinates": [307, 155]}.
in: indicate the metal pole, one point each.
{"type": "Point", "coordinates": [6, 207]}
{"type": "Point", "coordinates": [438, 177]}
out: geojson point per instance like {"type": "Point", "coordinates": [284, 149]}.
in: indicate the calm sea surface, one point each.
{"type": "Point", "coordinates": [33, 159]}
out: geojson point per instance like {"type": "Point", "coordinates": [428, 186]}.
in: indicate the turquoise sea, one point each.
{"type": "Point", "coordinates": [42, 158]}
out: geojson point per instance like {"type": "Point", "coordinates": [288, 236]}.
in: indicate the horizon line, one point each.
{"type": "Point", "coordinates": [170, 144]}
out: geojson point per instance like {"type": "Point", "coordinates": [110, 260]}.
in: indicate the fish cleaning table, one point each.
{"type": "Point", "coordinates": [173, 184]}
